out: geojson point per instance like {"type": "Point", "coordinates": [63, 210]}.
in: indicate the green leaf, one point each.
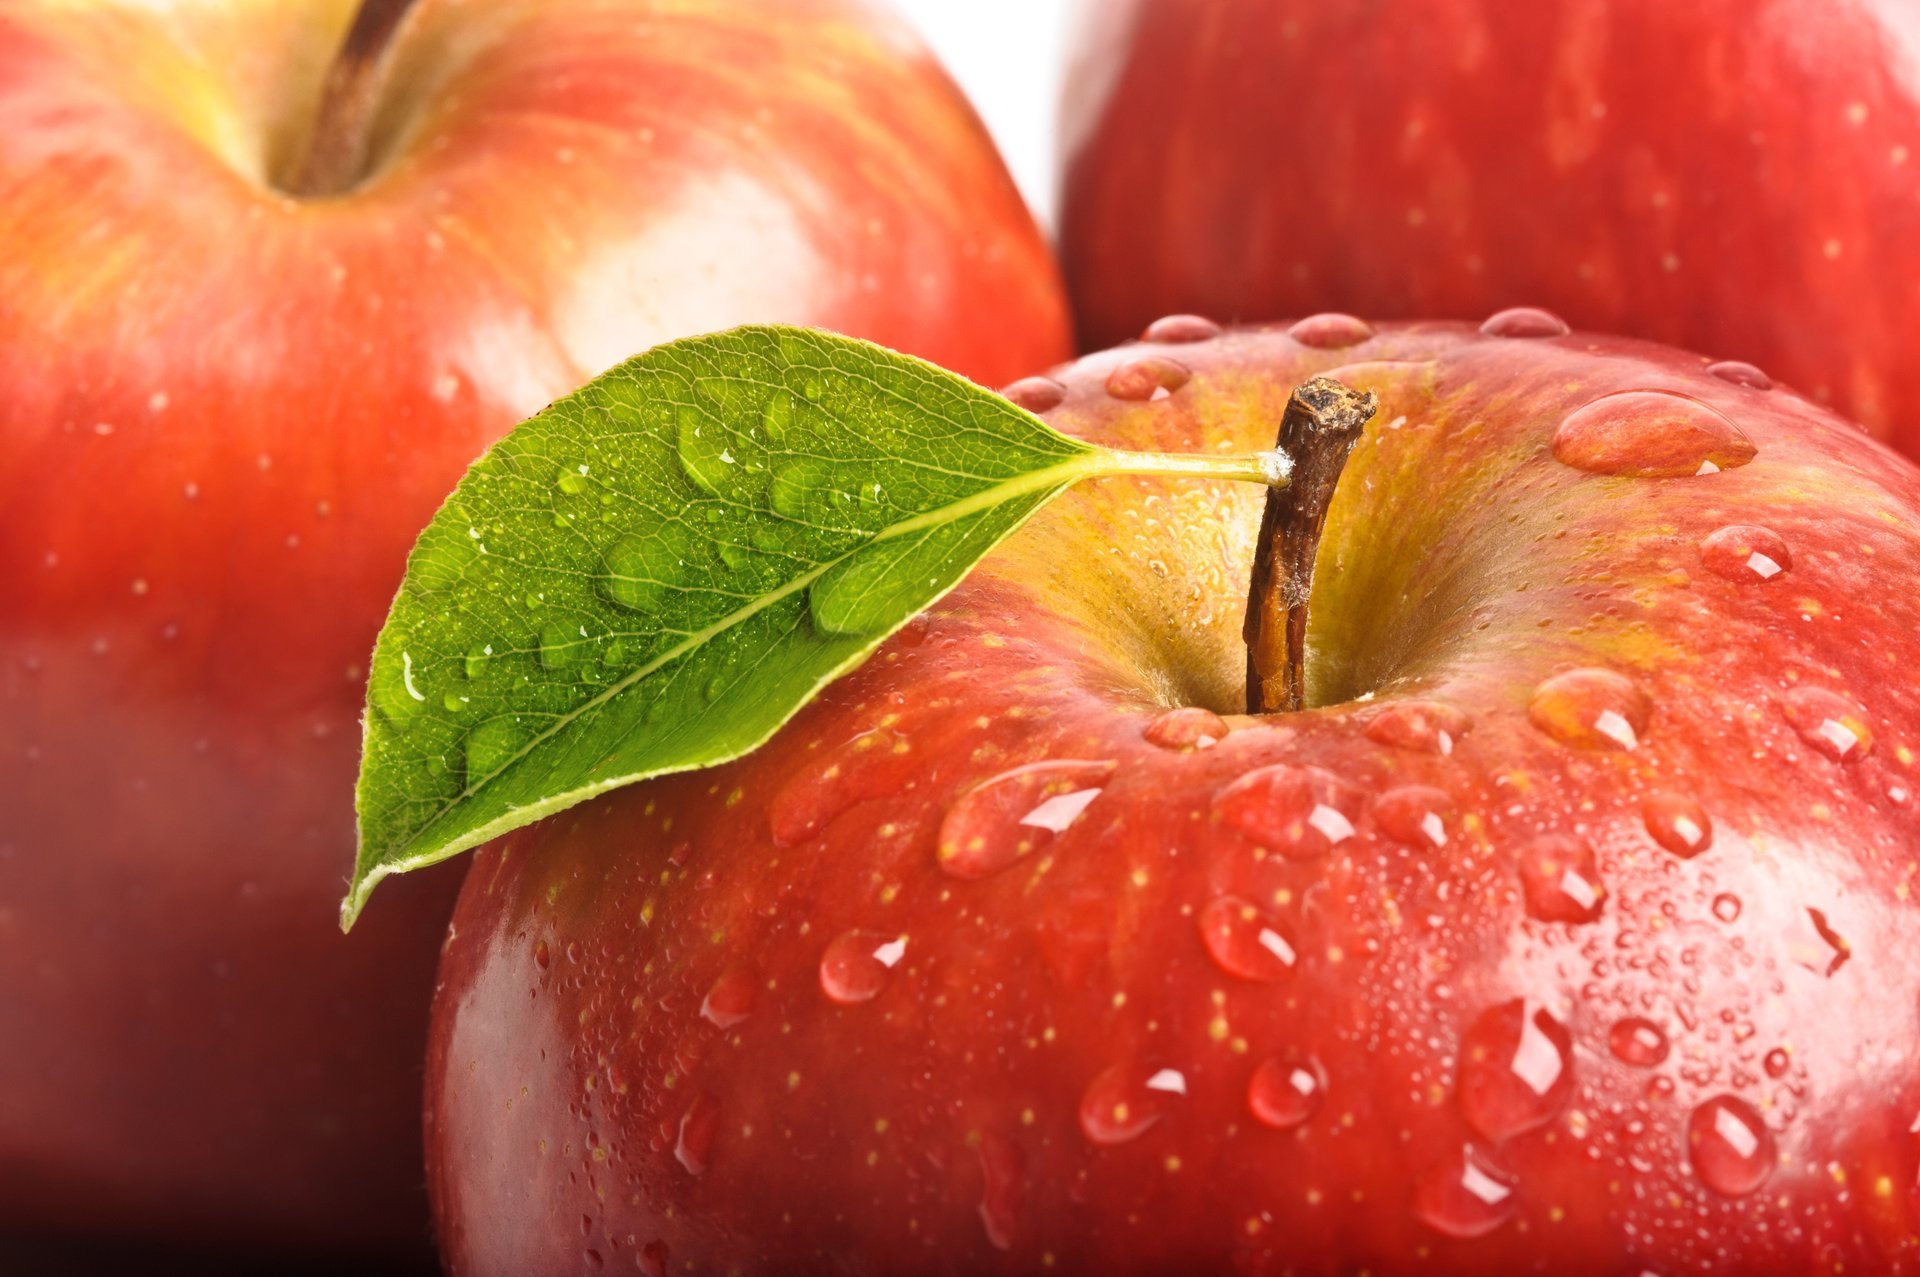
{"type": "Point", "coordinates": [656, 572]}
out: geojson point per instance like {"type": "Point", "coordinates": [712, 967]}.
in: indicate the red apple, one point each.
{"type": "Point", "coordinates": [1566, 930]}
{"type": "Point", "coordinates": [1739, 178]}
{"type": "Point", "coordinates": [226, 412]}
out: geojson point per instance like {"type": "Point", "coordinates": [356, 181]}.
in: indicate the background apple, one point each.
{"type": "Point", "coordinates": [1742, 179]}
{"type": "Point", "coordinates": [227, 412]}
{"type": "Point", "coordinates": [1566, 930]}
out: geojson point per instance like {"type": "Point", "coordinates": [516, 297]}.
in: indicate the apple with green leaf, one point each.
{"type": "Point", "coordinates": [1739, 178]}
{"type": "Point", "coordinates": [256, 315]}
{"type": "Point", "coordinates": [1473, 837]}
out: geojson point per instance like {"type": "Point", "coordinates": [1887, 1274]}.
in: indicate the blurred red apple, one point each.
{"type": "Point", "coordinates": [227, 410]}
{"type": "Point", "coordinates": [1567, 929]}
{"type": "Point", "coordinates": [1739, 178]}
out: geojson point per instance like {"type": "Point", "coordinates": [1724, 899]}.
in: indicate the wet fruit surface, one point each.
{"type": "Point", "coordinates": [1561, 933]}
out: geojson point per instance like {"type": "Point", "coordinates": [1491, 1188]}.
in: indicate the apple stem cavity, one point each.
{"type": "Point", "coordinates": [334, 157]}
{"type": "Point", "coordinates": [1322, 422]}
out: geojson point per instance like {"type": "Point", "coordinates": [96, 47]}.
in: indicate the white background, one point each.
{"type": "Point", "coordinates": [1008, 56]}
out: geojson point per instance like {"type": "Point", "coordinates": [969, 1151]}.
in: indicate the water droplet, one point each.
{"type": "Point", "coordinates": [1726, 907]}
{"type": "Point", "coordinates": [1418, 815]}
{"type": "Point", "coordinates": [1181, 329]}
{"type": "Point", "coordinates": [1003, 1189]}
{"type": "Point", "coordinates": [730, 1000]}
{"type": "Point", "coordinates": [1189, 727]}
{"type": "Point", "coordinates": [1427, 727]}
{"type": "Point", "coordinates": [573, 478]}
{"type": "Point", "coordinates": [698, 1125]}
{"type": "Point", "coordinates": [394, 690]}
{"type": "Point", "coordinates": [1148, 377]}
{"type": "Point", "coordinates": [1285, 1092]}
{"type": "Point", "coordinates": [776, 416]}
{"type": "Point", "coordinates": [856, 965]}
{"type": "Point", "coordinates": [637, 570]}
{"type": "Point", "coordinates": [1244, 942]}
{"type": "Point", "coordinates": [1124, 1100]}
{"type": "Point", "coordinates": [477, 657]}
{"type": "Point", "coordinates": [1776, 1062]}
{"type": "Point", "coordinates": [1677, 823]}
{"type": "Point", "coordinates": [441, 558]}
{"type": "Point", "coordinates": [491, 746]}
{"type": "Point", "coordinates": [1731, 1149]}
{"type": "Point", "coordinates": [562, 645]}
{"type": "Point", "coordinates": [1015, 813]}
{"type": "Point", "coordinates": [1330, 331]}
{"type": "Point", "coordinates": [1300, 812]}
{"type": "Point", "coordinates": [1829, 722]}
{"type": "Point", "coordinates": [1650, 434]}
{"type": "Point", "coordinates": [875, 764]}
{"type": "Point", "coordinates": [1591, 709]}
{"type": "Point", "coordinates": [705, 451]}
{"type": "Point", "coordinates": [1516, 1070]}
{"type": "Point", "coordinates": [1745, 553]}
{"type": "Point", "coordinates": [1560, 880]}
{"type": "Point", "coordinates": [1741, 374]}
{"type": "Point", "coordinates": [1637, 1041]}
{"type": "Point", "coordinates": [1465, 1195]}
{"type": "Point", "coordinates": [1814, 944]}
{"type": "Point", "coordinates": [653, 1259]}
{"type": "Point", "coordinates": [1525, 321]}
{"type": "Point", "coordinates": [542, 955]}
{"type": "Point", "coordinates": [803, 491]}
{"type": "Point", "coordinates": [1036, 394]}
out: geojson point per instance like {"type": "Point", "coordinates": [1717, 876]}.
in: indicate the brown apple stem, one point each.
{"type": "Point", "coordinates": [335, 157]}
{"type": "Point", "coordinates": [1322, 422]}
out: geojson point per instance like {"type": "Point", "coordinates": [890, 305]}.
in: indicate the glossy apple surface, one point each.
{"type": "Point", "coordinates": [1568, 929]}
{"type": "Point", "coordinates": [226, 415]}
{"type": "Point", "coordinates": [1741, 179]}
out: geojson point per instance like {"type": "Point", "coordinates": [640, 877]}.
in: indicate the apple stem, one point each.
{"type": "Point", "coordinates": [1322, 423]}
{"type": "Point", "coordinates": [335, 156]}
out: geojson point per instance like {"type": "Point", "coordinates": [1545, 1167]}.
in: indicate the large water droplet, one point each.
{"type": "Point", "coordinates": [395, 690]}
{"type": "Point", "coordinates": [1525, 321]}
{"type": "Point", "coordinates": [1285, 1091]}
{"type": "Point", "coordinates": [637, 570]}
{"type": "Point", "coordinates": [1465, 1195]}
{"type": "Point", "coordinates": [1330, 331]}
{"type": "Point", "coordinates": [1516, 1070]}
{"type": "Point", "coordinates": [730, 1000]}
{"type": "Point", "coordinates": [491, 746]}
{"type": "Point", "coordinates": [1016, 813]}
{"type": "Point", "coordinates": [1745, 553]}
{"type": "Point", "coordinates": [776, 416]}
{"type": "Point", "coordinates": [1427, 727]}
{"type": "Point", "coordinates": [1677, 823]}
{"type": "Point", "coordinates": [1814, 944]}
{"type": "Point", "coordinates": [857, 963]}
{"type": "Point", "coordinates": [1650, 434]}
{"type": "Point", "coordinates": [1560, 880]}
{"type": "Point", "coordinates": [1300, 812]}
{"type": "Point", "coordinates": [1418, 815]}
{"type": "Point", "coordinates": [1726, 907]}
{"type": "Point", "coordinates": [698, 1125]}
{"type": "Point", "coordinates": [1832, 724]}
{"type": "Point", "coordinates": [1731, 1149]}
{"type": "Point", "coordinates": [1637, 1041]}
{"type": "Point", "coordinates": [1776, 1062]}
{"type": "Point", "coordinates": [1244, 942]}
{"type": "Point", "coordinates": [1189, 727]}
{"type": "Point", "coordinates": [1591, 709]}
{"type": "Point", "coordinates": [1003, 1189]}
{"type": "Point", "coordinates": [1036, 394]}
{"type": "Point", "coordinates": [563, 645]}
{"type": "Point", "coordinates": [1124, 1100]}
{"type": "Point", "coordinates": [705, 449]}
{"type": "Point", "coordinates": [1148, 377]}
{"type": "Point", "coordinates": [875, 764]}
{"type": "Point", "coordinates": [1741, 374]}
{"type": "Point", "coordinates": [1181, 329]}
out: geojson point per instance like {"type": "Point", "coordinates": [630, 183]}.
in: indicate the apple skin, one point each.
{"type": "Point", "coordinates": [227, 413]}
{"type": "Point", "coordinates": [662, 980]}
{"type": "Point", "coordinates": [1738, 179]}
